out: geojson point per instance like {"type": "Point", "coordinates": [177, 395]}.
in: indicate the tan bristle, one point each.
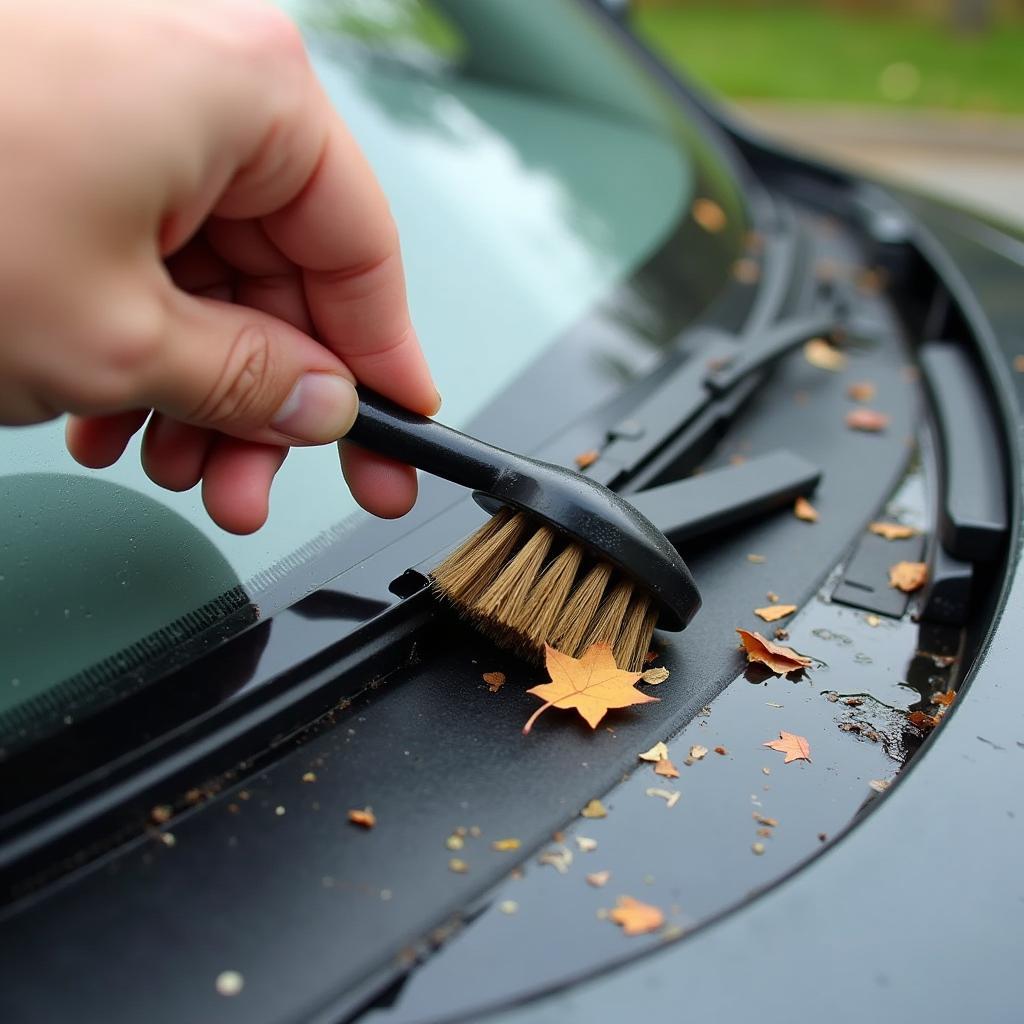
{"type": "Point", "coordinates": [571, 625]}
{"type": "Point", "coordinates": [541, 611]}
{"type": "Point", "coordinates": [634, 638]}
{"type": "Point", "coordinates": [607, 621]}
{"type": "Point", "coordinates": [503, 600]}
{"type": "Point", "coordinates": [465, 574]}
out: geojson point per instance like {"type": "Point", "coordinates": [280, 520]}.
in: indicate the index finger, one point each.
{"type": "Point", "coordinates": [340, 231]}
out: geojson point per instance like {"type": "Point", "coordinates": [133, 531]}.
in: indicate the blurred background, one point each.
{"type": "Point", "coordinates": [925, 91]}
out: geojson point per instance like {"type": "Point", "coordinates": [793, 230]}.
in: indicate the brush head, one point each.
{"type": "Point", "coordinates": [568, 564]}
{"type": "Point", "coordinates": [606, 526]}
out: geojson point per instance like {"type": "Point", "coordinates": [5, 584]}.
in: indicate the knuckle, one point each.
{"type": "Point", "coordinates": [244, 387]}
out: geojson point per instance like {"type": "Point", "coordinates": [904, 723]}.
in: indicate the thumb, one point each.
{"type": "Point", "coordinates": [243, 372]}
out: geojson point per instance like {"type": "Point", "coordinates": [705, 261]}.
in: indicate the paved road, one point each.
{"type": "Point", "coordinates": [976, 160]}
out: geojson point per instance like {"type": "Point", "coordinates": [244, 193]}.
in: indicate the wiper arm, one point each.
{"type": "Point", "coordinates": [722, 371]}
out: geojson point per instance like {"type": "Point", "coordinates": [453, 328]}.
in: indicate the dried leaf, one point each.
{"type": "Point", "coordinates": [671, 797]}
{"type": "Point", "coordinates": [772, 596]}
{"type": "Point", "coordinates": [587, 458]}
{"type": "Point", "coordinates": [869, 420]}
{"type": "Point", "coordinates": [635, 917]}
{"type": "Point", "coordinates": [666, 768]}
{"type": "Point", "coordinates": [746, 270]}
{"type": "Point", "coordinates": [766, 833]}
{"type": "Point", "coordinates": [721, 750]}
{"type": "Point", "coordinates": [309, 777]}
{"type": "Point", "coordinates": [773, 612]}
{"type": "Point", "coordinates": [365, 818]}
{"type": "Point", "coordinates": [825, 356]}
{"type": "Point", "coordinates": [709, 215]}
{"type": "Point", "coordinates": [494, 680]}
{"type": "Point", "coordinates": [804, 510]}
{"type": "Point", "coordinates": [592, 684]}
{"type": "Point", "coordinates": [872, 620]}
{"type": "Point", "coordinates": [893, 531]}
{"type": "Point", "coordinates": [697, 752]}
{"type": "Point", "coordinates": [922, 720]}
{"type": "Point", "coordinates": [756, 559]}
{"type": "Point", "coordinates": [945, 699]}
{"type": "Point", "coordinates": [595, 809]}
{"type": "Point", "coordinates": [504, 845]}
{"type": "Point", "coordinates": [508, 906]}
{"type": "Point", "coordinates": [861, 391]}
{"type": "Point", "coordinates": [757, 848]}
{"type": "Point", "coordinates": [585, 844]}
{"type": "Point", "coordinates": [879, 785]}
{"type": "Point", "coordinates": [1018, 363]}
{"type": "Point", "coordinates": [654, 676]}
{"type": "Point", "coordinates": [796, 748]}
{"type": "Point", "coordinates": [762, 820]}
{"type": "Point", "coordinates": [908, 576]}
{"type": "Point", "coordinates": [599, 879]}
{"type": "Point", "coordinates": [459, 866]}
{"type": "Point", "coordinates": [560, 857]}
{"type": "Point", "coordinates": [781, 660]}
{"type": "Point", "coordinates": [659, 752]}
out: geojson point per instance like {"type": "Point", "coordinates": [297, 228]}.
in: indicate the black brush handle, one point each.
{"type": "Point", "coordinates": [385, 427]}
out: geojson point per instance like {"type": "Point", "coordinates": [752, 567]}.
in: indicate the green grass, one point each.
{"type": "Point", "coordinates": [801, 54]}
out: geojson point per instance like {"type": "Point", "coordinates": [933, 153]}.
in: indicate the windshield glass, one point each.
{"type": "Point", "coordinates": [531, 165]}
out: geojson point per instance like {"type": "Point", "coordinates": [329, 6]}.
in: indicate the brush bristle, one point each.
{"type": "Point", "coordinates": [523, 591]}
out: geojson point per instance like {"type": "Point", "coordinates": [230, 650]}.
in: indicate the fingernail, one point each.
{"type": "Point", "coordinates": [321, 408]}
{"type": "Point", "coordinates": [437, 403]}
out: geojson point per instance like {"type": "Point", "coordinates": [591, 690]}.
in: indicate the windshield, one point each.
{"type": "Point", "coordinates": [531, 166]}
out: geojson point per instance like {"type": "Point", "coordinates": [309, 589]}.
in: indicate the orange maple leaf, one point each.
{"type": "Point", "coordinates": [796, 748]}
{"type": "Point", "coordinates": [781, 660]}
{"type": "Point", "coordinates": [592, 684]}
{"type": "Point", "coordinates": [635, 917]}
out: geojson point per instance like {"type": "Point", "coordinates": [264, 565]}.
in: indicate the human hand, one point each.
{"type": "Point", "coordinates": [191, 236]}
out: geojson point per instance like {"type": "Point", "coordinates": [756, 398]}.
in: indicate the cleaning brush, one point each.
{"type": "Point", "coordinates": [562, 561]}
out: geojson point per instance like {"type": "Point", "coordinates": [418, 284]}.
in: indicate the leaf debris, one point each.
{"type": "Point", "coordinates": [870, 421]}
{"type": "Point", "coordinates": [804, 510]}
{"type": "Point", "coordinates": [697, 752]}
{"type": "Point", "coordinates": [709, 215]}
{"type": "Point", "coordinates": [586, 844]}
{"type": "Point", "coordinates": [594, 809]}
{"type": "Point", "coordinates": [598, 879]}
{"type": "Point", "coordinates": [774, 612]}
{"type": "Point", "coordinates": [796, 748]}
{"type": "Point", "coordinates": [494, 680]}
{"type": "Point", "coordinates": [908, 576]}
{"type": "Point", "coordinates": [861, 391]}
{"type": "Point", "coordinates": [654, 676]}
{"type": "Point", "coordinates": [824, 356]}
{"type": "Point", "coordinates": [587, 458]}
{"type": "Point", "coordinates": [879, 785]}
{"type": "Point", "coordinates": [756, 559]}
{"type": "Point", "coordinates": [592, 684]}
{"type": "Point", "coordinates": [659, 752]}
{"type": "Point", "coordinates": [758, 848]}
{"type": "Point", "coordinates": [781, 660]}
{"type": "Point", "coordinates": [893, 531]}
{"type": "Point", "coordinates": [635, 917]}
{"type": "Point", "coordinates": [671, 797]}
{"type": "Point", "coordinates": [504, 845]}
{"type": "Point", "coordinates": [364, 818]}
{"type": "Point", "coordinates": [559, 857]}
{"type": "Point", "coordinates": [458, 866]}
{"type": "Point", "coordinates": [666, 768]}
{"type": "Point", "coordinates": [945, 699]}
{"type": "Point", "coordinates": [721, 750]}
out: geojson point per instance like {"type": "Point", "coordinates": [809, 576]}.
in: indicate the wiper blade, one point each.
{"type": "Point", "coordinates": [714, 375]}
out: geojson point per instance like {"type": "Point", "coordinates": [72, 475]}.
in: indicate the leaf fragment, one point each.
{"type": "Point", "coordinates": [757, 848]}
{"type": "Point", "coordinates": [504, 845]}
{"type": "Point", "coordinates": [654, 676]}
{"type": "Point", "coordinates": [458, 866]}
{"type": "Point", "coordinates": [879, 785]}
{"type": "Point", "coordinates": [756, 559]}
{"type": "Point", "coordinates": [659, 752]}
{"type": "Point", "coordinates": [635, 917]}
{"type": "Point", "coordinates": [586, 844]}
{"type": "Point", "coordinates": [494, 680]}
{"type": "Point", "coordinates": [945, 699]}
{"type": "Point", "coordinates": [908, 576]}
{"type": "Point", "coordinates": [666, 768]}
{"type": "Point", "coordinates": [773, 612]}
{"type": "Point", "coordinates": [671, 797]}
{"type": "Point", "coordinates": [796, 748]}
{"type": "Point", "coordinates": [598, 879]}
{"type": "Point", "coordinates": [365, 818]}
{"type": "Point", "coordinates": [721, 750]}
{"type": "Point", "coordinates": [824, 356]}
{"type": "Point", "coordinates": [587, 458]}
{"type": "Point", "coordinates": [861, 391]}
{"type": "Point", "coordinates": [923, 720]}
{"type": "Point", "coordinates": [709, 215]}
{"type": "Point", "coordinates": [697, 752]}
{"type": "Point", "coordinates": [592, 684]}
{"type": "Point", "coordinates": [870, 421]}
{"type": "Point", "coordinates": [804, 510]}
{"type": "Point", "coordinates": [559, 857]}
{"type": "Point", "coordinates": [893, 531]}
{"type": "Point", "coordinates": [594, 809]}
{"type": "Point", "coordinates": [781, 660]}
{"type": "Point", "coordinates": [763, 820]}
